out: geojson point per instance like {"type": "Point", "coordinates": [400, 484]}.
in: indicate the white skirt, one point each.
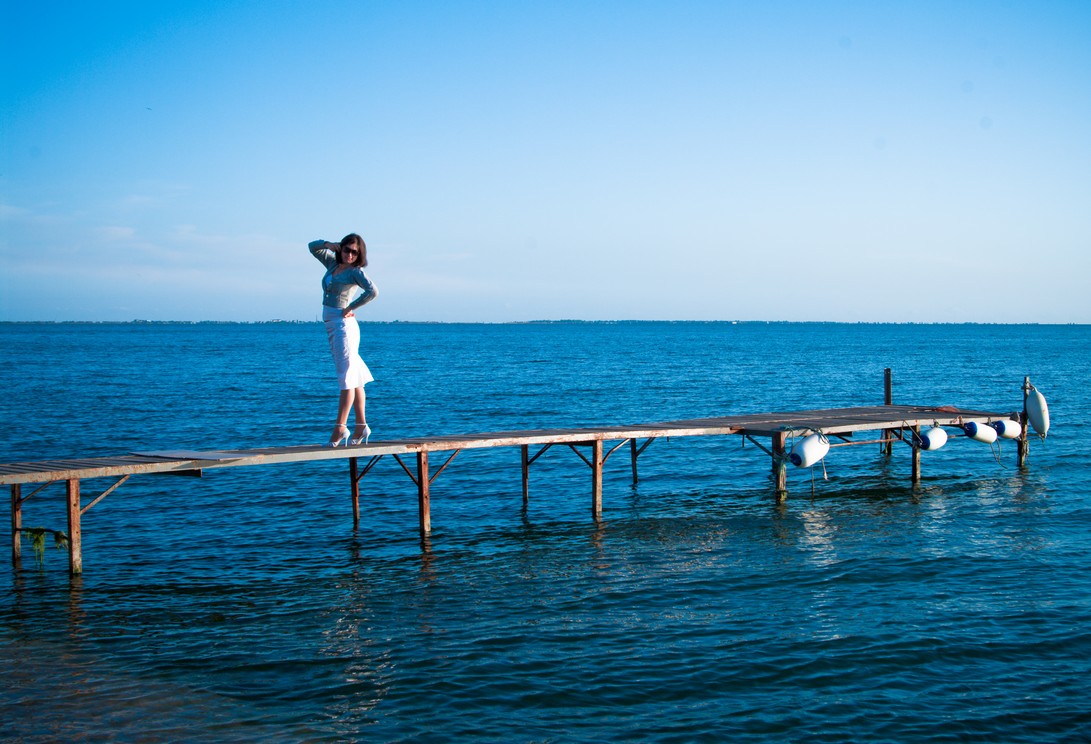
{"type": "Point", "coordinates": [344, 336]}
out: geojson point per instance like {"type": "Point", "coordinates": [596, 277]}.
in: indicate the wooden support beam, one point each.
{"type": "Point", "coordinates": [596, 479]}
{"type": "Point", "coordinates": [355, 493]}
{"type": "Point", "coordinates": [37, 490]}
{"type": "Point", "coordinates": [16, 526]}
{"type": "Point", "coordinates": [756, 443]}
{"type": "Point", "coordinates": [581, 455]}
{"type": "Point", "coordinates": [444, 465]}
{"type": "Point", "coordinates": [105, 493]}
{"type": "Point", "coordinates": [632, 456]}
{"type": "Point", "coordinates": [887, 447]}
{"type": "Point", "coordinates": [423, 499]}
{"type": "Point", "coordinates": [780, 465]}
{"type": "Point", "coordinates": [613, 449]}
{"type": "Point", "coordinates": [75, 552]}
{"type": "Point", "coordinates": [405, 468]}
{"type": "Point", "coordinates": [915, 476]}
{"type": "Point", "coordinates": [528, 461]}
{"type": "Point", "coordinates": [1023, 443]}
{"type": "Point", "coordinates": [1024, 437]}
{"type": "Point", "coordinates": [525, 456]}
{"type": "Point", "coordinates": [541, 452]}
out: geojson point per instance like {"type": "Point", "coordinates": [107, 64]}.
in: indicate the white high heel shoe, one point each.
{"type": "Point", "coordinates": [342, 436]}
{"type": "Point", "coordinates": [361, 439]}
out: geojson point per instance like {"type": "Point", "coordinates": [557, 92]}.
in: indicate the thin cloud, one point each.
{"type": "Point", "coordinates": [115, 232]}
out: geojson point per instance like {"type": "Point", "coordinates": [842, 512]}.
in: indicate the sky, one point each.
{"type": "Point", "coordinates": [513, 161]}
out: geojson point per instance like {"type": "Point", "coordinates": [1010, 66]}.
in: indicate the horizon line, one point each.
{"type": "Point", "coordinates": [571, 321]}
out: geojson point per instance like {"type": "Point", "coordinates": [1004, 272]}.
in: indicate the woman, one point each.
{"type": "Point", "coordinates": [344, 264]}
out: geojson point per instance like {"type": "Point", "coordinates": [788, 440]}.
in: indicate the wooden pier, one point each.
{"type": "Point", "coordinates": [593, 445]}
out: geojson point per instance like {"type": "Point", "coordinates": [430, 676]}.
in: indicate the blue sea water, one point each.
{"type": "Point", "coordinates": [241, 606]}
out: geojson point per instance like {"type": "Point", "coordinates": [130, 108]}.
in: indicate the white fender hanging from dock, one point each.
{"type": "Point", "coordinates": [1007, 429]}
{"type": "Point", "coordinates": [933, 439]}
{"type": "Point", "coordinates": [1038, 412]}
{"type": "Point", "coordinates": [980, 432]}
{"type": "Point", "coordinates": [809, 450]}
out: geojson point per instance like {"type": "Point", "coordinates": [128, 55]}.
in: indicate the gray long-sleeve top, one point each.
{"type": "Point", "coordinates": [337, 290]}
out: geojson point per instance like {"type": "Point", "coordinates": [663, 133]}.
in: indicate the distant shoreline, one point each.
{"type": "Point", "coordinates": [536, 322]}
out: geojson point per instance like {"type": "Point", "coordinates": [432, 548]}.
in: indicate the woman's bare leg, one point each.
{"type": "Point", "coordinates": [360, 404]}
{"type": "Point", "coordinates": [344, 405]}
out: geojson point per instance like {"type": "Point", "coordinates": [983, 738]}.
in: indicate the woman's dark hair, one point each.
{"type": "Point", "coordinates": [358, 243]}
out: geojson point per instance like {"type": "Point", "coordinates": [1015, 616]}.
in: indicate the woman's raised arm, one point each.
{"type": "Point", "coordinates": [324, 251]}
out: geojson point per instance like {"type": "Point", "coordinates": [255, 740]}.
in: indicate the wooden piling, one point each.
{"type": "Point", "coordinates": [16, 526]}
{"type": "Point", "coordinates": [596, 479]}
{"type": "Point", "coordinates": [915, 475]}
{"type": "Point", "coordinates": [632, 456]}
{"type": "Point", "coordinates": [525, 458]}
{"type": "Point", "coordinates": [75, 549]}
{"type": "Point", "coordinates": [423, 499]}
{"type": "Point", "coordinates": [887, 447]}
{"type": "Point", "coordinates": [1024, 434]}
{"type": "Point", "coordinates": [780, 465]}
{"type": "Point", "coordinates": [353, 474]}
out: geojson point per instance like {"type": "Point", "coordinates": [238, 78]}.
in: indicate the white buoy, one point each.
{"type": "Point", "coordinates": [933, 439]}
{"type": "Point", "coordinates": [809, 450]}
{"type": "Point", "coordinates": [1038, 412]}
{"type": "Point", "coordinates": [1007, 429]}
{"type": "Point", "coordinates": [980, 432]}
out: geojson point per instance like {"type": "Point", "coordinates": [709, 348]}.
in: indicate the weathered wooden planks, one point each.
{"type": "Point", "coordinates": [842, 422]}
{"type": "Point", "coordinates": [829, 421]}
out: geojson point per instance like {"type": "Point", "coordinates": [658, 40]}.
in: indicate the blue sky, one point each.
{"type": "Point", "coordinates": [873, 161]}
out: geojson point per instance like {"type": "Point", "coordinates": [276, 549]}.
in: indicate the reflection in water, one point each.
{"type": "Point", "coordinates": [77, 618]}
{"type": "Point", "coordinates": [427, 573]}
{"type": "Point", "coordinates": [782, 523]}
{"type": "Point", "coordinates": [818, 537]}
{"type": "Point", "coordinates": [601, 562]}
{"type": "Point", "coordinates": [364, 657]}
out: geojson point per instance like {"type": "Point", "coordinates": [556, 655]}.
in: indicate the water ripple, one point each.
{"type": "Point", "coordinates": [240, 606]}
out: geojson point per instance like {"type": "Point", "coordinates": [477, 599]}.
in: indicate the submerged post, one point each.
{"type": "Point", "coordinates": [1024, 434]}
{"type": "Point", "coordinates": [596, 479]}
{"type": "Point", "coordinates": [75, 553]}
{"type": "Point", "coordinates": [16, 526]}
{"type": "Point", "coordinates": [355, 493]}
{"type": "Point", "coordinates": [423, 499]}
{"type": "Point", "coordinates": [780, 465]}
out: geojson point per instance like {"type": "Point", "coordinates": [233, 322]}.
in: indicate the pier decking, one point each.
{"type": "Point", "coordinates": [893, 422]}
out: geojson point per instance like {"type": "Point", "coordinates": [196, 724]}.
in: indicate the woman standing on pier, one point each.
{"type": "Point", "coordinates": [345, 262]}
